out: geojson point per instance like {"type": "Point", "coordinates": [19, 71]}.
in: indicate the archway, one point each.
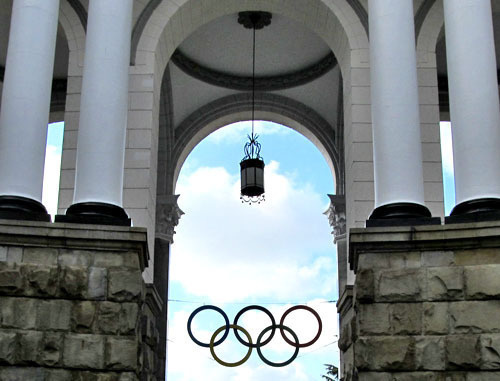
{"type": "Point", "coordinates": [275, 253]}
{"type": "Point", "coordinates": [192, 105]}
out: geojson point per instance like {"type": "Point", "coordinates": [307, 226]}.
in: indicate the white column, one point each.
{"type": "Point", "coordinates": [26, 97]}
{"type": "Point", "coordinates": [104, 103]}
{"type": "Point", "coordinates": [474, 101]}
{"type": "Point", "coordinates": [397, 152]}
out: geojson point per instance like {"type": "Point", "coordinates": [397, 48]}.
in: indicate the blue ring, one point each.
{"type": "Point", "coordinates": [208, 307]}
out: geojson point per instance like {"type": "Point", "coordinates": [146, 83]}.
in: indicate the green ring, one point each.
{"type": "Point", "coordinates": [230, 364]}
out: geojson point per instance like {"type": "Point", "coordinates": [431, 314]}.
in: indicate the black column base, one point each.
{"type": "Point", "coordinates": [22, 208]}
{"type": "Point", "coordinates": [482, 209]}
{"type": "Point", "coordinates": [96, 213]}
{"type": "Point", "coordinates": [401, 214]}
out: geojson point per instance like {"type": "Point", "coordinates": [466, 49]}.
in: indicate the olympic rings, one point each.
{"type": "Point", "coordinates": [231, 364]}
{"type": "Point", "coordinates": [254, 307]}
{"type": "Point", "coordinates": [208, 307]}
{"type": "Point", "coordinates": [320, 326]}
{"type": "Point", "coordinates": [280, 364]}
{"type": "Point", "coordinates": [259, 344]}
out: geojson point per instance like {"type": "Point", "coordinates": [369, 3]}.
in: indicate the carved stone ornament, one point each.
{"type": "Point", "coordinates": [168, 214]}
{"type": "Point", "coordinates": [244, 83]}
{"type": "Point", "coordinates": [336, 216]}
{"type": "Point", "coordinates": [254, 19]}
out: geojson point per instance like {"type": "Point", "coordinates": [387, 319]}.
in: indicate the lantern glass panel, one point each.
{"type": "Point", "coordinates": [260, 176]}
{"type": "Point", "coordinates": [243, 177]}
{"type": "Point", "coordinates": [250, 175]}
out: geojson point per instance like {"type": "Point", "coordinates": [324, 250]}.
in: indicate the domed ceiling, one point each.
{"type": "Point", "coordinates": [282, 47]}
{"type": "Point", "coordinates": [291, 61]}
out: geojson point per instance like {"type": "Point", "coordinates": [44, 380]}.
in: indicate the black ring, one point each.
{"type": "Point", "coordinates": [254, 307]}
{"type": "Point", "coordinates": [278, 364]}
{"type": "Point", "coordinates": [208, 307]}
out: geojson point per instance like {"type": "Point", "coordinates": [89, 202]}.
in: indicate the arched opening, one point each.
{"type": "Point", "coordinates": [276, 254]}
{"type": "Point", "coordinates": [195, 103]}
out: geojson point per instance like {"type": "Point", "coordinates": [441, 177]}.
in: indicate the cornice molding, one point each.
{"type": "Point", "coordinates": [244, 83]}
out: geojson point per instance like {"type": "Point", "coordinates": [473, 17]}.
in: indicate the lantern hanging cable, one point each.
{"type": "Point", "coordinates": [252, 165]}
{"type": "Point", "coordinates": [253, 81]}
{"type": "Point", "coordinates": [252, 148]}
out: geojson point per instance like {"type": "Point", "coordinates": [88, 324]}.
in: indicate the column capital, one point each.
{"type": "Point", "coordinates": [168, 214]}
{"type": "Point", "coordinates": [336, 216]}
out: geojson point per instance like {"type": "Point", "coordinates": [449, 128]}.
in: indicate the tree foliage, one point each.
{"type": "Point", "coordinates": [332, 373]}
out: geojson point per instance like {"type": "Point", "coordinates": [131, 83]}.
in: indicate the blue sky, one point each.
{"type": "Point", "coordinates": [52, 166]}
{"type": "Point", "coordinates": [276, 254]}
{"type": "Point", "coordinates": [447, 157]}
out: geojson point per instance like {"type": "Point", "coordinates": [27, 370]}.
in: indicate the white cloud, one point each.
{"type": "Point", "coordinates": [51, 178]}
{"type": "Point", "coordinates": [446, 147]}
{"type": "Point", "coordinates": [448, 169]}
{"type": "Point", "coordinates": [281, 249]}
{"type": "Point", "coordinates": [236, 131]}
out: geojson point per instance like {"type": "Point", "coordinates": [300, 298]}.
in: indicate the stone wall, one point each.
{"type": "Point", "coordinates": [73, 304]}
{"type": "Point", "coordinates": [426, 304]}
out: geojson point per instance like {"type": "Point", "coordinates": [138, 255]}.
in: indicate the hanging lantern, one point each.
{"type": "Point", "coordinates": [252, 173]}
{"type": "Point", "coordinates": [252, 165]}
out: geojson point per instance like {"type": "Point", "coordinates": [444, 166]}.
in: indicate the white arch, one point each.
{"type": "Point", "coordinates": [333, 20]}
{"type": "Point", "coordinates": [75, 36]}
{"type": "Point", "coordinates": [240, 113]}
{"type": "Point", "coordinates": [429, 34]}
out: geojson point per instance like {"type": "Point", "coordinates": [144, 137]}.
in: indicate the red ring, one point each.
{"type": "Point", "coordinates": [316, 315]}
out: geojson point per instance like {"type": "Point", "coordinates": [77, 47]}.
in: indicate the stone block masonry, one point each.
{"type": "Point", "coordinates": [73, 304]}
{"type": "Point", "coordinates": [425, 305]}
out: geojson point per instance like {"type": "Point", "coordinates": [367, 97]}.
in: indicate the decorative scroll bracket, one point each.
{"type": "Point", "coordinates": [336, 216]}
{"type": "Point", "coordinates": [168, 214]}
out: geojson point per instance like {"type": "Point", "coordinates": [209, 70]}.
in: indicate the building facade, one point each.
{"type": "Point", "coordinates": [139, 83]}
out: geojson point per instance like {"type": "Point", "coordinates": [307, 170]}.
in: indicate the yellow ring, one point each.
{"type": "Point", "coordinates": [230, 364]}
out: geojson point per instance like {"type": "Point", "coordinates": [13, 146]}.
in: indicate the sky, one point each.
{"type": "Point", "coordinates": [52, 168]}
{"type": "Point", "coordinates": [277, 254]}
{"type": "Point", "coordinates": [448, 174]}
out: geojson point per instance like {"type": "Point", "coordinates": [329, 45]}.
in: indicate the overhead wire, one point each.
{"type": "Point", "coordinates": [200, 302]}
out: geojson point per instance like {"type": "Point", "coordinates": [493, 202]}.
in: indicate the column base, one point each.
{"type": "Point", "coordinates": [22, 208]}
{"type": "Point", "coordinates": [401, 214]}
{"type": "Point", "coordinates": [97, 213]}
{"type": "Point", "coordinates": [482, 209]}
